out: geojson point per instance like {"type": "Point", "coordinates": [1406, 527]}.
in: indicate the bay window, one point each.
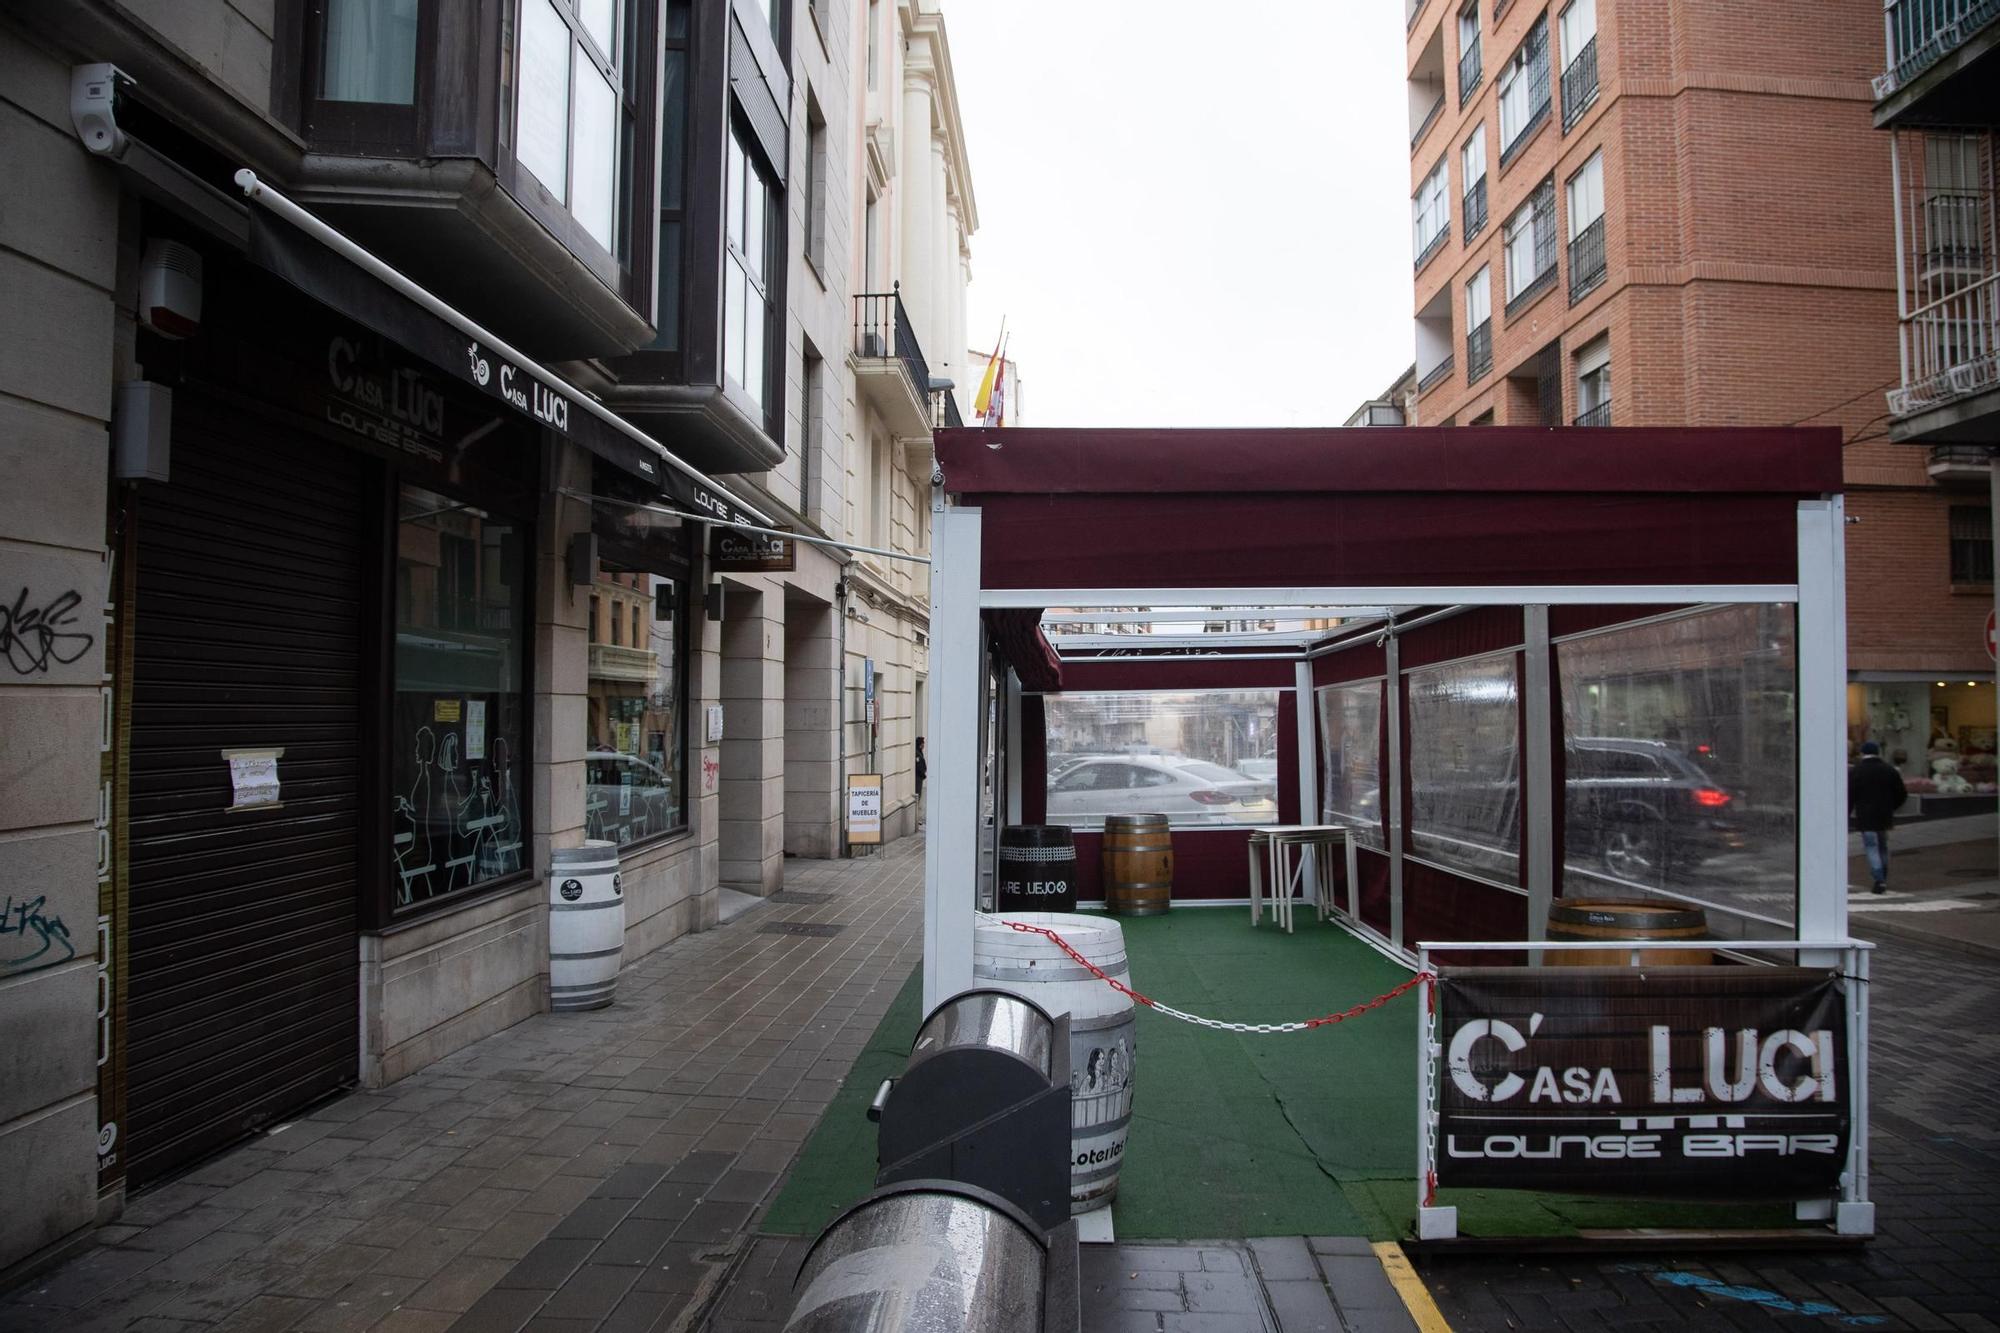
{"type": "Point", "coordinates": [573, 109]}
{"type": "Point", "coordinates": [747, 286]}
{"type": "Point", "coordinates": [370, 52]}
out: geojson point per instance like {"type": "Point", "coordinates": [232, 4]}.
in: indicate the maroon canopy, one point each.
{"type": "Point", "coordinates": [1387, 506]}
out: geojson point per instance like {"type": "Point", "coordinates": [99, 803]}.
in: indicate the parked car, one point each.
{"type": "Point", "coordinates": [1644, 811]}
{"type": "Point", "coordinates": [1188, 791]}
{"type": "Point", "coordinates": [1263, 770]}
{"type": "Point", "coordinates": [625, 797]}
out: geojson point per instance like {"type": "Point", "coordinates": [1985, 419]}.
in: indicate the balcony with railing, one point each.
{"type": "Point", "coordinates": [1473, 209]}
{"type": "Point", "coordinates": [1586, 261]}
{"type": "Point", "coordinates": [889, 366]}
{"type": "Point", "coordinates": [1949, 289]}
{"type": "Point", "coordinates": [1600, 415]}
{"type": "Point", "coordinates": [1948, 36]}
{"type": "Point", "coordinates": [1479, 351]}
{"type": "Point", "coordinates": [1470, 71]}
{"type": "Point", "coordinates": [1960, 464]}
{"type": "Point", "coordinates": [1579, 84]}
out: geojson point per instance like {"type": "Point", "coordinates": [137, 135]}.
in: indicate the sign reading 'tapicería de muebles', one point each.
{"type": "Point", "coordinates": [1724, 1082]}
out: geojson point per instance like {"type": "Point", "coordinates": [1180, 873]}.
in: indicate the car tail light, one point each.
{"type": "Point", "coordinates": [1209, 796]}
{"type": "Point", "coordinates": [1711, 798]}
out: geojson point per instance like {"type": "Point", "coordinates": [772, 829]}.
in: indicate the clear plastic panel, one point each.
{"type": "Point", "coordinates": [1681, 763]}
{"type": "Point", "coordinates": [1207, 758]}
{"type": "Point", "coordinates": [1465, 766]}
{"type": "Point", "coordinates": [1350, 738]}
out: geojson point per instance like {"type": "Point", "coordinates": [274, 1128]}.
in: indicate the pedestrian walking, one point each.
{"type": "Point", "coordinates": [920, 767]}
{"type": "Point", "coordinates": [1874, 790]}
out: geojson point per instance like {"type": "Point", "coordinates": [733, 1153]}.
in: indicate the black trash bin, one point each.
{"type": "Point", "coordinates": [1037, 868]}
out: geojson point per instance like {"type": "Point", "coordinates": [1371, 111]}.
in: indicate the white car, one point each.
{"type": "Point", "coordinates": [625, 798]}
{"type": "Point", "coordinates": [1187, 791]}
{"type": "Point", "coordinates": [1263, 770]}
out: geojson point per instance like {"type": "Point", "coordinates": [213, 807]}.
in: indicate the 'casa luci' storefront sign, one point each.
{"type": "Point", "coordinates": [1728, 1082]}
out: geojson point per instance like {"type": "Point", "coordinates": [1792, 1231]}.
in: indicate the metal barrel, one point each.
{"type": "Point", "coordinates": [586, 925]}
{"type": "Point", "coordinates": [923, 1257]}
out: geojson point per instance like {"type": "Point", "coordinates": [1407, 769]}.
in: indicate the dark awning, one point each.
{"type": "Point", "coordinates": [530, 389]}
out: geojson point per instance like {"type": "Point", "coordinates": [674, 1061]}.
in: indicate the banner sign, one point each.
{"type": "Point", "coordinates": [864, 808]}
{"type": "Point", "coordinates": [736, 551]}
{"type": "Point", "coordinates": [1725, 1082]}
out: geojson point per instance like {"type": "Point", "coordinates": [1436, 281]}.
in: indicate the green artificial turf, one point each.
{"type": "Point", "coordinates": [1238, 1135]}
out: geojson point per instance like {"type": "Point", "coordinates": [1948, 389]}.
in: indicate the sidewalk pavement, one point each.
{"type": "Point", "coordinates": [1944, 887]}
{"type": "Point", "coordinates": [583, 1171]}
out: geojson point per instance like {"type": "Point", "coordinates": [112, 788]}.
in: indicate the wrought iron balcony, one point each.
{"type": "Point", "coordinates": [1586, 261]}
{"type": "Point", "coordinates": [1596, 416]}
{"type": "Point", "coordinates": [1473, 208]}
{"type": "Point", "coordinates": [1430, 119]}
{"type": "Point", "coordinates": [947, 413]}
{"type": "Point", "coordinates": [1470, 71]}
{"type": "Point", "coordinates": [1434, 244]}
{"type": "Point", "coordinates": [889, 366]}
{"type": "Point", "coordinates": [1960, 464]}
{"type": "Point", "coordinates": [1579, 84]}
{"type": "Point", "coordinates": [1922, 32]}
{"type": "Point", "coordinates": [1951, 348]}
{"type": "Point", "coordinates": [1434, 375]}
{"type": "Point", "coordinates": [1479, 351]}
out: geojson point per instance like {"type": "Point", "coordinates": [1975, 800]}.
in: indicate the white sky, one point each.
{"type": "Point", "coordinates": [1189, 215]}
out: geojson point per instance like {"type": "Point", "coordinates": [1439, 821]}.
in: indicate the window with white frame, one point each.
{"type": "Point", "coordinates": [1531, 242]}
{"type": "Point", "coordinates": [1431, 210]}
{"type": "Point", "coordinates": [1578, 28]}
{"type": "Point", "coordinates": [1469, 59]}
{"type": "Point", "coordinates": [1479, 323]}
{"type": "Point", "coordinates": [1472, 170]}
{"type": "Point", "coordinates": [1593, 382]}
{"type": "Point", "coordinates": [573, 108]}
{"type": "Point", "coordinates": [1524, 88]}
{"type": "Point", "coordinates": [1586, 195]}
{"type": "Point", "coordinates": [747, 285]}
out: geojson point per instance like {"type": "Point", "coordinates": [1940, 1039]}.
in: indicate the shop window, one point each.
{"type": "Point", "coordinates": [458, 729]}
{"type": "Point", "coordinates": [1465, 766]}
{"type": "Point", "coordinates": [1680, 762]}
{"type": "Point", "coordinates": [1971, 544]}
{"type": "Point", "coordinates": [1350, 739]}
{"type": "Point", "coordinates": [635, 778]}
{"type": "Point", "coordinates": [1202, 759]}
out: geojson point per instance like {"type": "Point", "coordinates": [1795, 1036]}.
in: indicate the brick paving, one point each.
{"type": "Point", "coordinates": [578, 1171]}
{"type": "Point", "coordinates": [605, 1171]}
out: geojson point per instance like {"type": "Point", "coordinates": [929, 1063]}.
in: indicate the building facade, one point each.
{"type": "Point", "coordinates": [337, 604]}
{"type": "Point", "coordinates": [1643, 214]}
{"type": "Point", "coordinates": [1936, 101]}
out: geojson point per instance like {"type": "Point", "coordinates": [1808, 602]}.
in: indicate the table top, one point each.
{"type": "Point", "coordinates": [1288, 830]}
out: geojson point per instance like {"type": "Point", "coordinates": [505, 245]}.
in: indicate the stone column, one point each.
{"type": "Point", "coordinates": [752, 788]}
{"type": "Point", "coordinates": [812, 730]}
{"type": "Point", "coordinates": [916, 200]}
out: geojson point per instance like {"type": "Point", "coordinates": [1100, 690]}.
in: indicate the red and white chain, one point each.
{"type": "Point", "coordinates": [1216, 1024]}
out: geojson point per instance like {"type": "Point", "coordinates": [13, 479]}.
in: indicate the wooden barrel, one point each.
{"type": "Point", "coordinates": [1138, 865]}
{"type": "Point", "coordinates": [1037, 868]}
{"type": "Point", "coordinates": [586, 925]}
{"type": "Point", "coordinates": [1626, 919]}
{"type": "Point", "coordinates": [1103, 1036]}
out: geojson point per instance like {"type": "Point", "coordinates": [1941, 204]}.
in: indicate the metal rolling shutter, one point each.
{"type": "Point", "coordinates": [252, 565]}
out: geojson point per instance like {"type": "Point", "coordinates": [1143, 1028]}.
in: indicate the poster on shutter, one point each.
{"type": "Point", "coordinates": [253, 778]}
{"type": "Point", "coordinates": [1721, 1082]}
{"type": "Point", "coordinates": [864, 808]}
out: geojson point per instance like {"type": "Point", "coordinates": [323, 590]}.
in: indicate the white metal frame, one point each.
{"type": "Point", "coordinates": [1851, 1211]}
{"type": "Point", "coordinates": [1615, 594]}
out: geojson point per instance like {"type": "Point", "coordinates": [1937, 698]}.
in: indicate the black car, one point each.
{"type": "Point", "coordinates": [1644, 811]}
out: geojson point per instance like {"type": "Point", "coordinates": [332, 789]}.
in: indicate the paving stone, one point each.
{"type": "Point", "coordinates": [267, 1314]}
{"type": "Point", "coordinates": [1352, 1245]}
{"type": "Point", "coordinates": [550, 1263]}
{"type": "Point", "coordinates": [591, 1293]}
{"type": "Point", "coordinates": [502, 1310]}
{"type": "Point", "coordinates": [1281, 1258]}
{"type": "Point", "coordinates": [1359, 1284]}
{"type": "Point", "coordinates": [1302, 1306]}
{"type": "Point", "coordinates": [460, 1283]}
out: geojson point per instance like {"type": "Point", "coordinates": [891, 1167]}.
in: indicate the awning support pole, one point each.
{"type": "Point", "coordinates": [951, 743]}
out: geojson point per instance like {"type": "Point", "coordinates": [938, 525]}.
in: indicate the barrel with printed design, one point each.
{"type": "Point", "coordinates": [586, 925]}
{"type": "Point", "coordinates": [1103, 1037]}
{"type": "Point", "coordinates": [1037, 868]}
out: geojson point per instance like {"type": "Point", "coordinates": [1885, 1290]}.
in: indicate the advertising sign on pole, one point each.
{"type": "Point", "coordinates": [1722, 1082]}
{"type": "Point", "coordinates": [864, 808]}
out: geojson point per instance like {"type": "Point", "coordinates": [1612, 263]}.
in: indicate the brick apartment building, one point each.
{"type": "Point", "coordinates": [1632, 213]}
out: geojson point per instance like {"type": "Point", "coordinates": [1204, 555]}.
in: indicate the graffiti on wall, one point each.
{"type": "Point", "coordinates": [36, 634]}
{"type": "Point", "coordinates": [31, 936]}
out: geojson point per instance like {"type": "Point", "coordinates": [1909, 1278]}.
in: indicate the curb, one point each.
{"type": "Point", "coordinates": [1896, 930]}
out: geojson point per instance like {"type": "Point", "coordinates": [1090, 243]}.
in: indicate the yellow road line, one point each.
{"type": "Point", "coordinates": [1416, 1297]}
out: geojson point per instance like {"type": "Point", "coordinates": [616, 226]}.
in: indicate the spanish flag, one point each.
{"type": "Point", "coordinates": [989, 406]}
